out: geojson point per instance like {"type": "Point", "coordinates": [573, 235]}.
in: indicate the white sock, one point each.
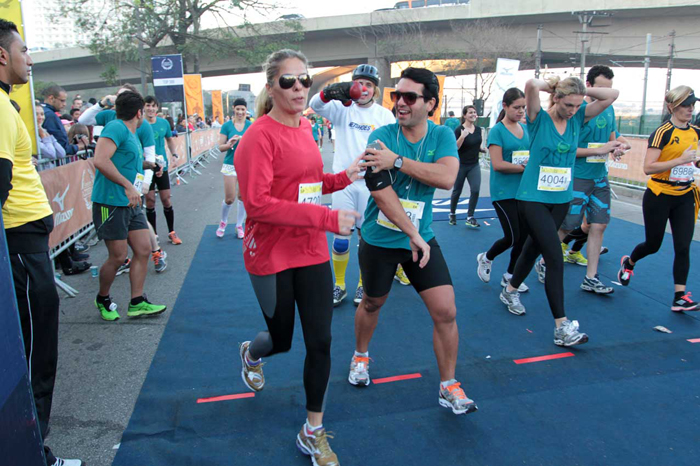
{"type": "Point", "coordinates": [508, 276]}
{"type": "Point", "coordinates": [362, 355]}
{"type": "Point", "coordinates": [311, 428]}
{"type": "Point", "coordinates": [446, 383]}
{"type": "Point", "coordinates": [225, 209]}
{"type": "Point", "coordinates": [240, 216]}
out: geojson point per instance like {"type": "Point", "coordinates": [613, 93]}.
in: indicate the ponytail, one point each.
{"type": "Point", "coordinates": [501, 115]}
{"type": "Point", "coordinates": [263, 103]}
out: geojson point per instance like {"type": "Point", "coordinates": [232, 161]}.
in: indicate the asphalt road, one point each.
{"type": "Point", "coordinates": [102, 365]}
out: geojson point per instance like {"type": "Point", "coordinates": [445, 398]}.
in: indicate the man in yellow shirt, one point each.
{"type": "Point", "coordinates": [28, 221]}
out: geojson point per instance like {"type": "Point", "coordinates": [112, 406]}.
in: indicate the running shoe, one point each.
{"type": "Point", "coordinates": [577, 258]}
{"type": "Point", "coordinates": [624, 275]}
{"type": "Point", "coordinates": [239, 232]}
{"type": "Point", "coordinates": [472, 223]}
{"type": "Point", "coordinates": [108, 310]}
{"type": "Point", "coordinates": [685, 303]}
{"type": "Point", "coordinates": [603, 250]}
{"type": "Point", "coordinates": [145, 308]}
{"type": "Point", "coordinates": [453, 397]}
{"type": "Point", "coordinates": [339, 295]}
{"type": "Point", "coordinates": [359, 293]}
{"type": "Point", "coordinates": [512, 300]}
{"type": "Point", "coordinates": [594, 285]}
{"type": "Point", "coordinates": [401, 277]}
{"type": "Point", "coordinates": [221, 230]}
{"type": "Point", "coordinates": [483, 267]}
{"type": "Point", "coordinates": [359, 371]}
{"type": "Point", "coordinates": [315, 444]}
{"type": "Point", "coordinates": [81, 247]}
{"type": "Point", "coordinates": [453, 219]}
{"type": "Point", "coordinates": [125, 267]}
{"type": "Point", "coordinates": [541, 270]}
{"type": "Point", "coordinates": [565, 250]}
{"type": "Point", "coordinates": [62, 462]}
{"type": "Point", "coordinates": [252, 374]}
{"type": "Point", "coordinates": [568, 334]}
{"type": "Point", "coordinates": [158, 258]}
{"type": "Point", "coordinates": [523, 288]}
{"type": "Point", "coordinates": [172, 236]}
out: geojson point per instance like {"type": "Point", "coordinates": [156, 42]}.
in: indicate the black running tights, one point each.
{"type": "Point", "coordinates": [311, 288]}
{"type": "Point", "coordinates": [507, 211]}
{"type": "Point", "coordinates": [658, 210]}
{"type": "Point", "coordinates": [541, 222]}
{"type": "Point", "coordinates": [471, 173]}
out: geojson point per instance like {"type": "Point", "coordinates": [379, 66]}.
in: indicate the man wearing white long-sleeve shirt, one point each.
{"type": "Point", "coordinates": [353, 123]}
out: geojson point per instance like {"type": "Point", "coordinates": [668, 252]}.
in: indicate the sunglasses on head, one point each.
{"type": "Point", "coordinates": [287, 81]}
{"type": "Point", "coordinates": [408, 97]}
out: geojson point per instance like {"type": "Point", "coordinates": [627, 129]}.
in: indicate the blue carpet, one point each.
{"type": "Point", "coordinates": [627, 397]}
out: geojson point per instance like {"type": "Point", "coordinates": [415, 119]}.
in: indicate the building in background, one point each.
{"type": "Point", "coordinates": [46, 29]}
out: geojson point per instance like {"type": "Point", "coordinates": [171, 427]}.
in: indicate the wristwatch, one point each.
{"type": "Point", "coordinates": [398, 163]}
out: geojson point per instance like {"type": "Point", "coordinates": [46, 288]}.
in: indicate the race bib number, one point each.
{"type": "Point", "coordinates": [520, 156]}
{"type": "Point", "coordinates": [596, 158]}
{"type": "Point", "coordinates": [554, 179]}
{"type": "Point", "coordinates": [138, 182]}
{"type": "Point", "coordinates": [228, 170]}
{"type": "Point", "coordinates": [310, 193]}
{"type": "Point", "coordinates": [682, 173]}
{"type": "Point", "coordinates": [413, 209]}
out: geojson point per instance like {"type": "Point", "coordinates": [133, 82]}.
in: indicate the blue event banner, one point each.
{"type": "Point", "coordinates": [167, 77]}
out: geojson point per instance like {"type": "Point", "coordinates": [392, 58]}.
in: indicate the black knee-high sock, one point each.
{"type": "Point", "coordinates": [169, 218]}
{"type": "Point", "coordinates": [151, 216]}
{"type": "Point", "coordinates": [576, 234]}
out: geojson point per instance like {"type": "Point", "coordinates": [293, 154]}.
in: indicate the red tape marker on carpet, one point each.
{"type": "Point", "coordinates": [694, 340]}
{"type": "Point", "coordinates": [397, 378]}
{"type": "Point", "coordinates": [544, 358]}
{"type": "Point", "coordinates": [225, 397]}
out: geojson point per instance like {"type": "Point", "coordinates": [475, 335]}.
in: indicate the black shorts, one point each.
{"type": "Point", "coordinates": [115, 223]}
{"type": "Point", "coordinates": [163, 182]}
{"type": "Point", "coordinates": [378, 266]}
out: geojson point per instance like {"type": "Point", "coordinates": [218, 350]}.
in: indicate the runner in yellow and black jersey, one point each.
{"type": "Point", "coordinates": [671, 194]}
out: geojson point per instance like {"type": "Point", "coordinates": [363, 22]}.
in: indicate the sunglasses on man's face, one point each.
{"type": "Point", "coordinates": [408, 97]}
{"type": "Point", "coordinates": [287, 81]}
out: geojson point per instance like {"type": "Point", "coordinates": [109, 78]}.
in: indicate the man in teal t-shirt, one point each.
{"type": "Point", "coordinates": [161, 179]}
{"type": "Point", "coordinates": [599, 139]}
{"type": "Point", "coordinates": [116, 206]}
{"type": "Point", "coordinates": [452, 122]}
{"type": "Point", "coordinates": [415, 158]}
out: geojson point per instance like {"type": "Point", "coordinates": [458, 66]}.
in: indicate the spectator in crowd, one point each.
{"type": "Point", "coordinates": [49, 147]}
{"type": "Point", "coordinates": [28, 221]}
{"type": "Point", "coordinates": [55, 101]}
{"type": "Point", "coordinates": [216, 123]}
{"type": "Point", "coordinates": [180, 127]}
{"type": "Point", "coordinates": [170, 121]}
{"type": "Point", "coordinates": [228, 118]}
{"type": "Point", "coordinates": [200, 123]}
{"type": "Point", "coordinates": [77, 103]}
{"type": "Point", "coordinates": [77, 132]}
{"type": "Point", "coordinates": [92, 101]}
{"type": "Point", "coordinates": [74, 115]}
{"type": "Point", "coordinates": [191, 122]}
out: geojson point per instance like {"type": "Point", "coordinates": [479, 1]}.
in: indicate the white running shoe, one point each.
{"type": "Point", "coordinates": [221, 230]}
{"type": "Point", "coordinates": [483, 268]}
{"type": "Point", "coordinates": [359, 371]}
{"type": "Point", "coordinates": [523, 288]}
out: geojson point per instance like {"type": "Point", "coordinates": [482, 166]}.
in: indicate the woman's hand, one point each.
{"type": "Point", "coordinates": [354, 169]}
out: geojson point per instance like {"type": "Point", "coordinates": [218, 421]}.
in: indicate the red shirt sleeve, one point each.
{"type": "Point", "coordinates": [337, 182]}
{"type": "Point", "coordinates": [256, 186]}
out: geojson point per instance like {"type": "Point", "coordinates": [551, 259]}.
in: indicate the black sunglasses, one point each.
{"type": "Point", "coordinates": [408, 97]}
{"type": "Point", "coordinates": [287, 81]}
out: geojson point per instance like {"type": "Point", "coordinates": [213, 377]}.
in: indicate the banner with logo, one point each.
{"type": "Point", "coordinates": [167, 77]}
{"type": "Point", "coordinates": [11, 10]}
{"type": "Point", "coordinates": [216, 106]}
{"type": "Point", "coordinates": [69, 190]}
{"type": "Point", "coordinates": [203, 140]}
{"type": "Point", "coordinates": [193, 94]}
{"type": "Point", "coordinates": [180, 150]}
{"type": "Point", "coordinates": [506, 74]}
{"type": "Point", "coordinates": [438, 110]}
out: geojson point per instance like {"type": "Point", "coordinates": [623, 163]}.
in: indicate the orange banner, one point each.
{"type": "Point", "coordinates": [386, 100]}
{"type": "Point", "coordinates": [193, 94]}
{"type": "Point", "coordinates": [69, 190]}
{"type": "Point", "coordinates": [216, 107]}
{"type": "Point", "coordinates": [438, 110]}
{"type": "Point", "coordinates": [203, 140]}
{"type": "Point", "coordinates": [180, 150]}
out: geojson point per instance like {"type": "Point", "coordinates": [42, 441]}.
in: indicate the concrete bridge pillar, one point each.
{"type": "Point", "coordinates": [383, 65]}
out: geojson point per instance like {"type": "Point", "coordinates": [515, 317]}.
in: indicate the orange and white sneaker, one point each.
{"type": "Point", "coordinates": [172, 236]}
{"type": "Point", "coordinates": [159, 260]}
{"type": "Point", "coordinates": [453, 397]}
{"type": "Point", "coordinates": [359, 371]}
{"type": "Point", "coordinates": [315, 444]}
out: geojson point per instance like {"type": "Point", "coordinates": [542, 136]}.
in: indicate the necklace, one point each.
{"type": "Point", "coordinates": [420, 154]}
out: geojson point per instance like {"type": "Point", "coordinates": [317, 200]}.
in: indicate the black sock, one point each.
{"type": "Point", "coordinates": [578, 244]}
{"type": "Point", "coordinates": [151, 216]}
{"type": "Point", "coordinates": [678, 295]}
{"type": "Point", "coordinates": [169, 218]}
{"type": "Point", "coordinates": [628, 265]}
{"type": "Point", "coordinates": [576, 233]}
{"type": "Point", "coordinates": [103, 299]}
{"type": "Point", "coordinates": [137, 300]}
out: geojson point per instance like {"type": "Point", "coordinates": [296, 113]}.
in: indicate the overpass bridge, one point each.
{"type": "Point", "coordinates": [618, 39]}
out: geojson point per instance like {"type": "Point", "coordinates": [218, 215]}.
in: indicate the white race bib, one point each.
{"type": "Point", "coordinates": [682, 173]}
{"type": "Point", "coordinates": [228, 170]}
{"type": "Point", "coordinates": [554, 179]}
{"type": "Point", "coordinates": [520, 157]}
{"type": "Point", "coordinates": [310, 193]}
{"type": "Point", "coordinates": [596, 158]}
{"type": "Point", "coordinates": [138, 182]}
{"type": "Point", "coordinates": [413, 209]}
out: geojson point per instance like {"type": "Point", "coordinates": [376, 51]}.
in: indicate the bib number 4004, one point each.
{"type": "Point", "coordinates": [554, 179]}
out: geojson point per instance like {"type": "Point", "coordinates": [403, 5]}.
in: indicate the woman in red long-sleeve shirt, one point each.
{"type": "Point", "coordinates": [280, 172]}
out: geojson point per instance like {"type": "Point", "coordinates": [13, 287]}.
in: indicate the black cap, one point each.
{"type": "Point", "coordinates": [689, 101]}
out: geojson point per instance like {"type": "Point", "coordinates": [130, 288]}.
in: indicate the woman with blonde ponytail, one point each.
{"type": "Point", "coordinates": [546, 189]}
{"type": "Point", "coordinates": [671, 194]}
{"type": "Point", "coordinates": [280, 172]}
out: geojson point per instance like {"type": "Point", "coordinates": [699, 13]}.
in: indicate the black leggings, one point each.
{"type": "Point", "coordinates": [680, 211]}
{"type": "Point", "coordinates": [507, 211]}
{"type": "Point", "coordinates": [541, 222]}
{"type": "Point", "coordinates": [472, 173]}
{"type": "Point", "coordinates": [311, 288]}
